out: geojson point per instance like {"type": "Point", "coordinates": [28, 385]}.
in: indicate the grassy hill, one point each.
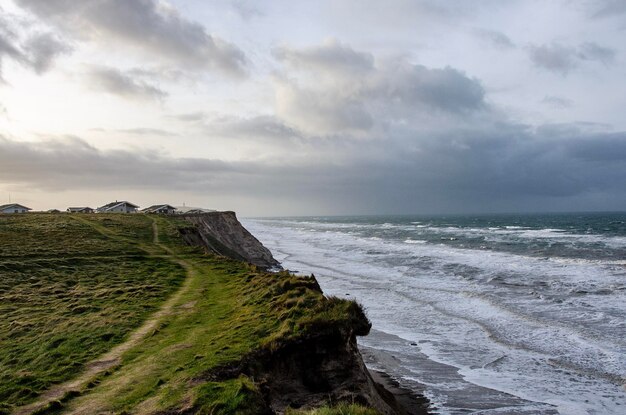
{"type": "Point", "coordinates": [115, 314]}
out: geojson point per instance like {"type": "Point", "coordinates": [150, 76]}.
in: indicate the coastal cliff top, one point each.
{"type": "Point", "coordinates": [116, 313]}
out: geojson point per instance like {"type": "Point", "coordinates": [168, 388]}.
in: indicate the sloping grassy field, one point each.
{"type": "Point", "coordinates": [114, 314]}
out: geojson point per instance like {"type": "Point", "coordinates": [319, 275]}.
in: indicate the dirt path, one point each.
{"type": "Point", "coordinates": [155, 232]}
{"type": "Point", "coordinates": [112, 358]}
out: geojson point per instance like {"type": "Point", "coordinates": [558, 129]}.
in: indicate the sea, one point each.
{"type": "Point", "coordinates": [483, 314]}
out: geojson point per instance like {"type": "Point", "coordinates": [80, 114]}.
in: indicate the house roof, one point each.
{"type": "Point", "coordinates": [77, 208]}
{"type": "Point", "coordinates": [190, 209]}
{"type": "Point", "coordinates": [112, 205]}
{"type": "Point", "coordinates": [13, 205]}
{"type": "Point", "coordinates": [157, 207]}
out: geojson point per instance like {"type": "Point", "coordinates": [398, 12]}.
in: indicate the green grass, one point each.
{"type": "Point", "coordinates": [67, 295]}
{"type": "Point", "coordinates": [67, 307]}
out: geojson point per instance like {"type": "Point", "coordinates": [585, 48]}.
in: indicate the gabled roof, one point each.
{"type": "Point", "coordinates": [115, 204]}
{"type": "Point", "coordinates": [13, 205]}
{"type": "Point", "coordinates": [78, 208]}
{"type": "Point", "coordinates": [158, 207]}
{"type": "Point", "coordinates": [190, 209]}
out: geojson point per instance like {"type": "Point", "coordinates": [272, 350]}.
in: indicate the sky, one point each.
{"type": "Point", "coordinates": [330, 107]}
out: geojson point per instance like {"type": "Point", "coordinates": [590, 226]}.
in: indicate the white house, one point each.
{"type": "Point", "coordinates": [14, 208]}
{"type": "Point", "coordinates": [162, 209]}
{"type": "Point", "coordinates": [80, 209]}
{"type": "Point", "coordinates": [118, 207]}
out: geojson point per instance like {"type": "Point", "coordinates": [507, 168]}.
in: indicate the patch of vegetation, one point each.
{"type": "Point", "coordinates": [67, 295]}
{"type": "Point", "coordinates": [225, 310]}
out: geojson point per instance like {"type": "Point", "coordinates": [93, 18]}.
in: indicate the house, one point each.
{"type": "Point", "coordinates": [14, 208]}
{"type": "Point", "coordinates": [188, 210]}
{"type": "Point", "coordinates": [81, 209]}
{"type": "Point", "coordinates": [53, 211]}
{"type": "Point", "coordinates": [162, 209]}
{"type": "Point", "coordinates": [194, 211]}
{"type": "Point", "coordinates": [118, 207]}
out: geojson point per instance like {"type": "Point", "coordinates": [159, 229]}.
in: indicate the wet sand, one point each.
{"type": "Point", "coordinates": [411, 402]}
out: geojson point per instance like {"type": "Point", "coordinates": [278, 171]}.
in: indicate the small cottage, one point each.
{"type": "Point", "coordinates": [14, 208]}
{"type": "Point", "coordinates": [118, 207]}
{"type": "Point", "coordinates": [161, 209]}
{"type": "Point", "coordinates": [80, 209]}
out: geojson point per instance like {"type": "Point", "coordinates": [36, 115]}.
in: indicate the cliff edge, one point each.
{"type": "Point", "coordinates": [323, 366]}
{"type": "Point", "coordinates": [223, 234]}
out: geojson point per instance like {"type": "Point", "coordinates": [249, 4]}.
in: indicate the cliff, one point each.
{"type": "Point", "coordinates": [320, 366]}
{"type": "Point", "coordinates": [223, 234]}
{"type": "Point", "coordinates": [143, 323]}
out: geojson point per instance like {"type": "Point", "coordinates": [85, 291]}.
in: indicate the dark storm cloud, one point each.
{"type": "Point", "coordinates": [562, 59]}
{"type": "Point", "coordinates": [114, 81]}
{"type": "Point", "coordinates": [445, 89]}
{"type": "Point", "coordinates": [72, 163]}
{"type": "Point", "coordinates": [145, 24]}
{"type": "Point", "coordinates": [333, 88]}
{"type": "Point", "coordinates": [493, 167]}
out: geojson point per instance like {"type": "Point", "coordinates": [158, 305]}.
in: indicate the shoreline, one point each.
{"type": "Point", "coordinates": [410, 402]}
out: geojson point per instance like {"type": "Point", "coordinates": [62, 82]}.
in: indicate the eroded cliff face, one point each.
{"type": "Point", "coordinates": [321, 368]}
{"type": "Point", "coordinates": [315, 371]}
{"type": "Point", "coordinates": [223, 234]}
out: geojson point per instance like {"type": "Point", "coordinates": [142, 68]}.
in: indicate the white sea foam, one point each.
{"type": "Point", "coordinates": [555, 328]}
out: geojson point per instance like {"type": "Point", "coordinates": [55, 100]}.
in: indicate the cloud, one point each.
{"type": "Point", "coordinates": [321, 112]}
{"type": "Point", "coordinates": [116, 82]}
{"type": "Point", "coordinates": [192, 117]}
{"type": "Point", "coordinates": [562, 60]}
{"type": "Point", "coordinates": [594, 52]}
{"type": "Point", "coordinates": [333, 89]}
{"type": "Point", "coordinates": [494, 38]}
{"type": "Point", "coordinates": [139, 131]}
{"type": "Point", "coordinates": [557, 102]}
{"type": "Point", "coordinates": [499, 166]}
{"type": "Point", "coordinates": [246, 9]}
{"type": "Point", "coordinates": [153, 27]}
{"type": "Point", "coordinates": [607, 8]}
{"type": "Point", "coordinates": [149, 132]}
{"type": "Point", "coordinates": [331, 56]}
{"type": "Point", "coordinates": [554, 58]}
{"type": "Point", "coordinates": [257, 127]}
{"type": "Point", "coordinates": [71, 163]}
{"type": "Point", "coordinates": [43, 49]}
{"type": "Point", "coordinates": [37, 51]}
